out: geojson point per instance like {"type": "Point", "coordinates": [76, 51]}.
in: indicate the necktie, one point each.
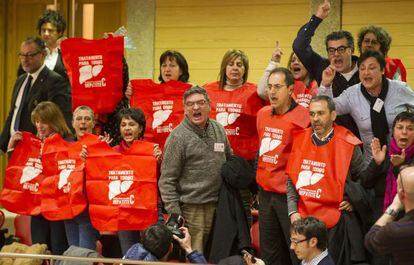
{"type": "Point", "coordinates": [23, 102]}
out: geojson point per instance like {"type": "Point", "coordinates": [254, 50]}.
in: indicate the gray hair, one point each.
{"type": "Point", "coordinates": [83, 107]}
{"type": "Point", "coordinates": [328, 100]}
{"type": "Point", "coordinates": [196, 90]}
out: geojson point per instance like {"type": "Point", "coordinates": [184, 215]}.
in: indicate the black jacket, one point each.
{"type": "Point", "coordinates": [316, 64]}
{"type": "Point", "coordinates": [231, 232]}
{"type": "Point", "coordinates": [49, 86]}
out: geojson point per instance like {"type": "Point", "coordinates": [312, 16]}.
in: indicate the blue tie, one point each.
{"type": "Point", "coordinates": [23, 102]}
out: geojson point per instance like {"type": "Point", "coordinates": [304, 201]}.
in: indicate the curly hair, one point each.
{"type": "Point", "coordinates": [383, 37]}
{"type": "Point", "coordinates": [51, 16]}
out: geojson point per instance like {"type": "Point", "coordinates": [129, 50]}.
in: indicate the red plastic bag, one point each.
{"type": "Point", "coordinates": [94, 68]}
{"type": "Point", "coordinates": [122, 188]}
{"type": "Point", "coordinates": [23, 178]}
{"type": "Point", "coordinates": [162, 104]}
{"type": "Point", "coordinates": [63, 195]}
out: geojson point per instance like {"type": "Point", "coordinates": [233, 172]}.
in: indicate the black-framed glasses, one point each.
{"type": "Point", "coordinates": [340, 50]}
{"type": "Point", "coordinates": [29, 55]}
{"type": "Point", "coordinates": [296, 242]}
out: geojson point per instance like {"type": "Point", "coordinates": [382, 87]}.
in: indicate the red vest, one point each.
{"type": "Point", "coordinates": [63, 195]}
{"type": "Point", "coordinates": [302, 94]}
{"type": "Point", "coordinates": [275, 137]}
{"type": "Point", "coordinates": [162, 105]}
{"type": "Point", "coordinates": [122, 188]}
{"type": "Point", "coordinates": [236, 110]}
{"type": "Point", "coordinates": [391, 67]}
{"type": "Point", "coordinates": [23, 177]}
{"type": "Point", "coordinates": [95, 72]}
{"type": "Point", "coordinates": [319, 173]}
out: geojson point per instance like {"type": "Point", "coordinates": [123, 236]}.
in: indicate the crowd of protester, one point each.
{"type": "Point", "coordinates": [321, 147]}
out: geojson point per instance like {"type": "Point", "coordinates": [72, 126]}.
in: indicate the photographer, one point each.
{"type": "Point", "coordinates": [157, 245]}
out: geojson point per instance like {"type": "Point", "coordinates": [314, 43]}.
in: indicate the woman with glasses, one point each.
{"type": "Point", "coordinates": [377, 39]}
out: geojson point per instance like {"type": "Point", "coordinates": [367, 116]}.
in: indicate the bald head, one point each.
{"type": "Point", "coordinates": [406, 182]}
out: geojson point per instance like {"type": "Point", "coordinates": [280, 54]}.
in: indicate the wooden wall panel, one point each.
{"type": "Point", "coordinates": [204, 30]}
{"type": "Point", "coordinates": [394, 16]}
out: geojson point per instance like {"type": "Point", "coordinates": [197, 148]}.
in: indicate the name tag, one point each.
{"type": "Point", "coordinates": [218, 147]}
{"type": "Point", "coordinates": [378, 105]}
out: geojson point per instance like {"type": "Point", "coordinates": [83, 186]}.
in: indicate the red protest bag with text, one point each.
{"type": "Point", "coordinates": [236, 110]}
{"type": "Point", "coordinates": [23, 177]}
{"type": "Point", "coordinates": [122, 188]}
{"type": "Point", "coordinates": [63, 195]}
{"type": "Point", "coordinates": [162, 105]}
{"type": "Point", "coordinates": [95, 70]}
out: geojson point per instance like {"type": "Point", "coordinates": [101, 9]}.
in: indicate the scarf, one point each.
{"type": "Point", "coordinates": [391, 179]}
{"type": "Point", "coordinates": [379, 122]}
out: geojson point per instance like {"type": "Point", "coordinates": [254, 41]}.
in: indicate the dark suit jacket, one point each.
{"type": "Point", "coordinates": [59, 68]}
{"type": "Point", "coordinates": [49, 86]}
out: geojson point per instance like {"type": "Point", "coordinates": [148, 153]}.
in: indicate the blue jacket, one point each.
{"type": "Point", "coordinates": [138, 252]}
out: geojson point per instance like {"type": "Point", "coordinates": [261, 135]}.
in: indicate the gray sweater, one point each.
{"type": "Point", "coordinates": [190, 171]}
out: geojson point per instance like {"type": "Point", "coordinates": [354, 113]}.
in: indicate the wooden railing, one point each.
{"type": "Point", "coordinates": [53, 258]}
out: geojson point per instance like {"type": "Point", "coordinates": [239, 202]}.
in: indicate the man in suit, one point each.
{"type": "Point", "coordinates": [37, 84]}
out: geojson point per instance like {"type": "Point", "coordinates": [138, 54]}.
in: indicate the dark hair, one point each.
{"type": "Point", "coordinates": [311, 227]}
{"type": "Point", "coordinates": [41, 45]}
{"type": "Point", "coordinates": [374, 54]}
{"type": "Point", "coordinates": [54, 17]}
{"type": "Point", "coordinates": [338, 35]}
{"type": "Point", "coordinates": [327, 99]}
{"type": "Point", "coordinates": [135, 114]}
{"type": "Point", "coordinates": [196, 90]}
{"type": "Point", "coordinates": [181, 61]}
{"type": "Point", "coordinates": [383, 37]}
{"type": "Point", "coordinates": [403, 116]}
{"type": "Point", "coordinates": [157, 239]}
{"type": "Point", "coordinates": [289, 79]}
{"type": "Point", "coordinates": [230, 56]}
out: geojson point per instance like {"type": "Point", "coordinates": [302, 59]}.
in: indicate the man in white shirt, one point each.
{"type": "Point", "coordinates": [37, 84]}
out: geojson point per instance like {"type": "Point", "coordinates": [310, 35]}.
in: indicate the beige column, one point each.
{"type": "Point", "coordinates": [331, 23]}
{"type": "Point", "coordinates": [140, 23]}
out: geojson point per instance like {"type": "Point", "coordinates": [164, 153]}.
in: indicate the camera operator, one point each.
{"type": "Point", "coordinates": [157, 245]}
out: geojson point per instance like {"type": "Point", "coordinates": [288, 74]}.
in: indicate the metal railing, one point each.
{"type": "Point", "coordinates": [52, 258]}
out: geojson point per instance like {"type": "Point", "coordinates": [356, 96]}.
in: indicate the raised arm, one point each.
{"type": "Point", "coordinates": [302, 44]}
{"type": "Point", "coordinates": [274, 63]}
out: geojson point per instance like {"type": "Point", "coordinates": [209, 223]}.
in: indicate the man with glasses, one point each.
{"type": "Point", "coordinates": [37, 84]}
{"type": "Point", "coordinates": [309, 240]}
{"type": "Point", "coordinates": [276, 125]}
{"type": "Point", "coordinates": [190, 171]}
{"type": "Point", "coordinates": [396, 238]}
{"type": "Point", "coordinates": [340, 49]}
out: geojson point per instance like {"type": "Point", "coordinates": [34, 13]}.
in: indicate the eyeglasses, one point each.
{"type": "Point", "coordinates": [29, 55]}
{"type": "Point", "coordinates": [200, 103]}
{"type": "Point", "coordinates": [372, 42]}
{"type": "Point", "coordinates": [276, 87]}
{"type": "Point", "coordinates": [340, 50]}
{"type": "Point", "coordinates": [296, 242]}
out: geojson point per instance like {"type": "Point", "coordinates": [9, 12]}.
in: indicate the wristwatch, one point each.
{"type": "Point", "coordinates": [391, 211]}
